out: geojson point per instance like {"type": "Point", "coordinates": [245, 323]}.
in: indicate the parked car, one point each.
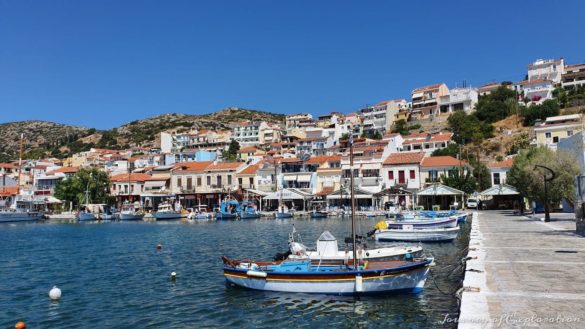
{"type": "Point", "coordinates": [472, 203]}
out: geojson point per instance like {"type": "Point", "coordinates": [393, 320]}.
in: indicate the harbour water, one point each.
{"type": "Point", "coordinates": [112, 276]}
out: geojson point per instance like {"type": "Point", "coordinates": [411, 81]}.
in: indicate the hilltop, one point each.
{"type": "Point", "coordinates": [43, 138]}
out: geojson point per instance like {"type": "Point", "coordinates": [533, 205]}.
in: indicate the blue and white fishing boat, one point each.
{"type": "Point", "coordinates": [418, 222]}
{"type": "Point", "coordinates": [283, 213]}
{"type": "Point", "coordinates": [302, 276]}
{"type": "Point", "coordinates": [410, 234]}
{"type": "Point", "coordinates": [86, 214]}
{"type": "Point", "coordinates": [228, 210]}
{"type": "Point", "coordinates": [318, 214]}
{"type": "Point", "coordinates": [249, 210]}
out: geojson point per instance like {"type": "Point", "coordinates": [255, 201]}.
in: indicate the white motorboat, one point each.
{"type": "Point", "coordinates": [86, 215]}
{"type": "Point", "coordinates": [200, 214]}
{"type": "Point", "coordinates": [408, 233]}
{"type": "Point", "coordinates": [328, 252]}
{"type": "Point", "coordinates": [166, 211]}
{"type": "Point", "coordinates": [130, 211]}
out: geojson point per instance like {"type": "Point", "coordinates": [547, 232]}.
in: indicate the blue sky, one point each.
{"type": "Point", "coordinates": [104, 63]}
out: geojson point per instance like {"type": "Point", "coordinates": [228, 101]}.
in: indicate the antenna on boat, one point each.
{"type": "Point", "coordinates": [352, 201]}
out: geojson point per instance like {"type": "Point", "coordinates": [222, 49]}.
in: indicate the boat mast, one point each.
{"type": "Point", "coordinates": [355, 265]}
{"type": "Point", "coordinates": [19, 166]}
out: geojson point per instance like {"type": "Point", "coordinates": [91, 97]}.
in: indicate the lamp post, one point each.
{"type": "Point", "coordinates": [546, 179]}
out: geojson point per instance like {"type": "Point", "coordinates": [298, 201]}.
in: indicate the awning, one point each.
{"type": "Point", "coordinates": [417, 95]}
{"type": "Point", "coordinates": [288, 194]}
{"type": "Point", "coordinates": [345, 194]}
{"type": "Point", "coordinates": [155, 184]}
{"type": "Point", "coordinates": [290, 177]}
{"type": "Point", "coordinates": [257, 192]}
{"type": "Point", "coordinates": [304, 178]}
{"type": "Point", "coordinates": [501, 189]}
{"type": "Point", "coordinates": [439, 189]}
{"type": "Point", "coordinates": [52, 199]}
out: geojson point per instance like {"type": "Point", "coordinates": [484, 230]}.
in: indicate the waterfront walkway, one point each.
{"type": "Point", "coordinates": [529, 273]}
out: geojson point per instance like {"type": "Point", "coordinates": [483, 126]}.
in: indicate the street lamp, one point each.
{"type": "Point", "coordinates": [546, 179]}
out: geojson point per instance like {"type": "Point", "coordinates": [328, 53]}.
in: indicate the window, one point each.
{"type": "Point", "coordinates": [496, 178]}
{"type": "Point", "coordinates": [556, 139]}
{"type": "Point", "coordinates": [114, 187]}
{"type": "Point", "coordinates": [179, 182]}
{"type": "Point", "coordinates": [189, 183]}
{"type": "Point", "coordinates": [569, 133]}
{"type": "Point", "coordinates": [251, 181]}
{"type": "Point", "coordinates": [208, 180]}
{"type": "Point", "coordinates": [412, 174]}
{"type": "Point", "coordinates": [198, 181]}
{"type": "Point", "coordinates": [240, 181]}
{"type": "Point", "coordinates": [219, 181]}
{"type": "Point", "coordinates": [229, 179]}
{"type": "Point", "coordinates": [547, 135]}
{"type": "Point", "coordinates": [391, 174]}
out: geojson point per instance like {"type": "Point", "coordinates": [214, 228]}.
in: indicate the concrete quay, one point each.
{"type": "Point", "coordinates": [522, 272]}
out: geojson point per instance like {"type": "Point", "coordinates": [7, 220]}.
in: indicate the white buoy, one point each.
{"type": "Point", "coordinates": [173, 275]}
{"type": "Point", "coordinates": [55, 293]}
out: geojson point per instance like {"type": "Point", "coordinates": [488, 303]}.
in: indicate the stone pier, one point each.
{"type": "Point", "coordinates": [522, 272]}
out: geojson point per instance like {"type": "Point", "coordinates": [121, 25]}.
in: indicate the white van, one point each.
{"type": "Point", "coordinates": [472, 203]}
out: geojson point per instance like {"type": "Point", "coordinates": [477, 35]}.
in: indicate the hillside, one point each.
{"type": "Point", "coordinates": [53, 139]}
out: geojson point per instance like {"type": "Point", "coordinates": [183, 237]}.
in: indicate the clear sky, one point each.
{"type": "Point", "coordinates": [103, 63]}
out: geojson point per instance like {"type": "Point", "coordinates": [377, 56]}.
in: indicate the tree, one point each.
{"type": "Point", "coordinates": [468, 128]}
{"type": "Point", "coordinates": [520, 142]}
{"type": "Point", "coordinates": [465, 182]}
{"type": "Point", "coordinates": [496, 106]}
{"type": "Point", "coordinates": [400, 127]}
{"type": "Point", "coordinates": [529, 180]}
{"type": "Point", "coordinates": [451, 150]}
{"type": "Point", "coordinates": [561, 96]}
{"type": "Point", "coordinates": [73, 188]}
{"type": "Point", "coordinates": [232, 152]}
{"type": "Point", "coordinates": [548, 108]}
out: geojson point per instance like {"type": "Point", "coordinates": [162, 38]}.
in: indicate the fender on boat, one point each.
{"type": "Point", "coordinates": [257, 274]}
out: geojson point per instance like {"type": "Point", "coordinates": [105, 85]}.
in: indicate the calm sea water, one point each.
{"type": "Point", "coordinates": [112, 276]}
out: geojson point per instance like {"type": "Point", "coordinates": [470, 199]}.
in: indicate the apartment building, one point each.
{"type": "Point", "coordinates": [425, 100]}
{"type": "Point", "coordinates": [554, 129]}
{"type": "Point", "coordinates": [574, 76]}
{"type": "Point", "coordinates": [458, 99]}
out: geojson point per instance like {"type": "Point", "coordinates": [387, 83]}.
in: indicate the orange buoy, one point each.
{"type": "Point", "coordinates": [20, 325]}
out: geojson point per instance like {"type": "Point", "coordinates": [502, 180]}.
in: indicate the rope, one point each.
{"type": "Point", "coordinates": [437, 286]}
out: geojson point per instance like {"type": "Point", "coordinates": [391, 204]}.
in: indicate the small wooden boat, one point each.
{"type": "Point", "coordinates": [304, 277]}
{"type": "Point", "coordinates": [417, 235]}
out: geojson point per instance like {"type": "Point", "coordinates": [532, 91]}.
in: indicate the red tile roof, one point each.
{"type": "Point", "coordinates": [250, 170]}
{"type": "Point", "coordinates": [502, 164]}
{"type": "Point", "coordinates": [430, 87]}
{"type": "Point", "coordinates": [225, 166]}
{"type": "Point", "coordinates": [442, 161]}
{"type": "Point", "coordinates": [248, 149]}
{"type": "Point", "coordinates": [65, 170]}
{"type": "Point", "coordinates": [135, 177]}
{"type": "Point", "coordinates": [404, 158]}
{"type": "Point", "coordinates": [192, 166]}
{"type": "Point", "coordinates": [533, 82]}
{"type": "Point", "coordinates": [321, 159]}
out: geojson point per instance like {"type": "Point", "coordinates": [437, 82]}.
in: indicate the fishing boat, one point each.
{"type": "Point", "coordinates": [283, 213]}
{"type": "Point", "coordinates": [249, 210]}
{"type": "Point", "coordinates": [318, 214]}
{"type": "Point", "coordinates": [303, 276]}
{"type": "Point", "coordinates": [200, 214]}
{"type": "Point", "coordinates": [87, 213]}
{"type": "Point", "coordinates": [411, 234]}
{"type": "Point", "coordinates": [228, 210]}
{"type": "Point", "coordinates": [131, 211]}
{"type": "Point", "coordinates": [24, 208]}
{"type": "Point", "coordinates": [328, 253]}
{"type": "Point", "coordinates": [418, 223]}
{"type": "Point", "coordinates": [165, 211]}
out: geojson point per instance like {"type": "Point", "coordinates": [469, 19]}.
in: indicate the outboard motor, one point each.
{"type": "Point", "coordinates": [282, 255]}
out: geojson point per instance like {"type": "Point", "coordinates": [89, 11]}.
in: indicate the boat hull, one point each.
{"type": "Point", "coordinates": [84, 216]}
{"type": "Point", "coordinates": [421, 235]}
{"type": "Point", "coordinates": [225, 216]}
{"type": "Point", "coordinates": [166, 215]}
{"type": "Point", "coordinates": [9, 217]}
{"type": "Point", "coordinates": [245, 215]}
{"type": "Point", "coordinates": [411, 278]}
{"type": "Point", "coordinates": [318, 215]}
{"type": "Point", "coordinates": [283, 215]}
{"type": "Point", "coordinates": [131, 216]}
{"type": "Point", "coordinates": [424, 223]}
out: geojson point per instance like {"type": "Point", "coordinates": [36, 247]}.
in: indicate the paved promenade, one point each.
{"type": "Point", "coordinates": [529, 273]}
